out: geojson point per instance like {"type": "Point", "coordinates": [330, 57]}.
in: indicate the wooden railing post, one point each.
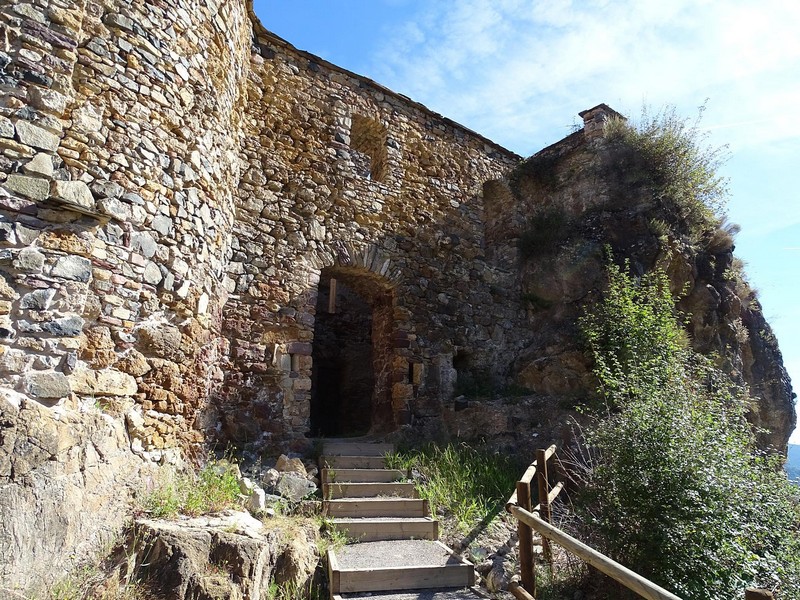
{"type": "Point", "coordinates": [544, 503]}
{"type": "Point", "coordinates": [525, 534]}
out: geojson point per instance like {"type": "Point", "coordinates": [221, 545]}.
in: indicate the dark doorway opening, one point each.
{"type": "Point", "coordinates": [351, 354]}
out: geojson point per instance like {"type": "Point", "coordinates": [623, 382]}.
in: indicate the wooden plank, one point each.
{"type": "Point", "coordinates": [334, 581]}
{"type": "Point", "coordinates": [340, 448]}
{"type": "Point", "coordinates": [551, 496]}
{"type": "Point", "coordinates": [544, 505]}
{"type": "Point", "coordinates": [370, 507]}
{"type": "Point", "coordinates": [405, 578]}
{"type": "Point", "coordinates": [525, 540]}
{"type": "Point", "coordinates": [352, 462]}
{"type": "Point", "coordinates": [368, 490]}
{"type": "Point", "coordinates": [332, 296]}
{"type": "Point", "coordinates": [519, 592]}
{"type": "Point", "coordinates": [370, 530]}
{"type": "Point", "coordinates": [631, 580]}
{"type": "Point", "coordinates": [362, 475]}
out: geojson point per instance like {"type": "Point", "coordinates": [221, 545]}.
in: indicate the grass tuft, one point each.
{"type": "Point", "coordinates": [214, 488]}
{"type": "Point", "coordinates": [470, 483]}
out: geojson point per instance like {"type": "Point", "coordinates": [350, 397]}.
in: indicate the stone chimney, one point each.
{"type": "Point", "coordinates": [595, 118]}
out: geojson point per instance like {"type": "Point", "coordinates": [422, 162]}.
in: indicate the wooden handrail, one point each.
{"type": "Point", "coordinates": [550, 497]}
{"type": "Point", "coordinates": [633, 581]}
{"type": "Point", "coordinates": [529, 474]}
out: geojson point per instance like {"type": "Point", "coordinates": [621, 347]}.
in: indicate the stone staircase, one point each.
{"type": "Point", "coordinates": [394, 553]}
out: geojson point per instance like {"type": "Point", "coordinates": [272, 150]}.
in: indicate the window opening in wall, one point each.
{"type": "Point", "coordinates": [351, 355]}
{"type": "Point", "coordinates": [368, 148]}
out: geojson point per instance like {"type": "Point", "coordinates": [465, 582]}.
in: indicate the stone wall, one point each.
{"type": "Point", "coordinates": [340, 172]}
{"type": "Point", "coordinates": [119, 167]}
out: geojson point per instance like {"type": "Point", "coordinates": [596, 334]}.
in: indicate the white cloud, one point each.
{"type": "Point", "coordinates": [504, 67]}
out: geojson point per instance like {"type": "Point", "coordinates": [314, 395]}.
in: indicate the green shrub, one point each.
{"type": "Point", "coordinates": [471, 483]}
{"type": "Point", "coordinates": [667, 158]}
{"type": "Point", "coordinates": [674, 488]}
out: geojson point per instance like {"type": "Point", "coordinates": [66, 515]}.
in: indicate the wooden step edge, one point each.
{"type": "Point", "coordinates": [332, 475]}
{"type": "Point", "coordinates": [373, 462]}
{"type": "Point", "coordinates": [476, 593]}
{"type": "Point", "coordinates": [362, 448]}
{"type": "Point", "coordinates": [362, 489]}
{"type": "Point", "coordinates": [373, 504]}
{"type": "Point", "coordinates": [405, 578]}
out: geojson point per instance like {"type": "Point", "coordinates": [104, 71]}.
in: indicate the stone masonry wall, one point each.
{"type": "Point", "coordinates": [343, 173]}
{"type": "Point", "coordinates": [118, 165]}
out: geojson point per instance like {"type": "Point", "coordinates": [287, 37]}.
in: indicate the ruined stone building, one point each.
{"type": "Point", "coordinates": [206, 233]}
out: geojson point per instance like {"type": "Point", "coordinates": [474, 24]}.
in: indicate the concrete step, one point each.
{"type": "Point", "coordinates": [429, 594]}
{"type": "Point", "coordinates": [368, 490]}
{"type": "Point", "coordinates": [345, 448]}
{"type": "Point", "coordinates": [397, 565]}
{"type": "Point", "coordinates": [388, 528]}
{"type": "Point", "coordinates": [362, 475]}
{"type": "Point", "coordinates": [352, 462]}
{"type": "Point", "coordinates": [376, 507]}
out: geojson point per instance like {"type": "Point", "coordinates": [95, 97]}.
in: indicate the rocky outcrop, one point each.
{"type": "Point", "coordinates": [582, 200]}
{"type": "Point", "coordinates": [66, 482]}
{"type": "Point", "coordinates": [231, 556]}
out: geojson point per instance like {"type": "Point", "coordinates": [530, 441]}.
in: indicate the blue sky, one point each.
{"type": "Point", "coordinates": [519, 71]}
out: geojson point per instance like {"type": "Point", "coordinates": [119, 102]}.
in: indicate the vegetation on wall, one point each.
{"type": "Point", "coordinates": [666, 158]}
{"type": "Point", "coordinates": [671, 484]}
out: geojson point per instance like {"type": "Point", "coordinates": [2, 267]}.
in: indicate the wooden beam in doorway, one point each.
{"type": "Point", "coordinates": [332, 297]}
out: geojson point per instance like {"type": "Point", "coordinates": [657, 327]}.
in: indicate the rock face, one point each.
{"type": "Point", "coordinates": [184, 195]}
{"type": "Point", "coordinates": [66, 479]}
{"type": "Point", "coordinates": [225, 557]}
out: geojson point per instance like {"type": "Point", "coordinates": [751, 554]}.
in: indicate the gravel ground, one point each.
{"type": "Point", "coordinates": [396, 553]}
{"type": "Point", "coordinates": [461, 594]}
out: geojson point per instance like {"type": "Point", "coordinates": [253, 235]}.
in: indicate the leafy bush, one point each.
{"type": "Point", "coordinates": [667, 157]}
{"type": "Point", "coordinates": [470, 483]}
{"type": "Point", "coordinates": [214, 488]}
{"type": "Point", "coordinates": [673, 486]}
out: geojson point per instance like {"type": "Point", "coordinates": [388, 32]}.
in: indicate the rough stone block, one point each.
{"type": "Point", "coordinates": [6, 128]}
{"type": "Point", "coordinates": [75, 268]}
{"type": "Point", "coordinates": [47, 385]}
{"type": "Point", "coordinates": [30, 187]}
{"type": "Point", "coordinates": [109, 382]}
{"type": "Point", "coordinates": [73, 192]}
{"type": "Point", "coordinates": [29, 259]}
{"type": "Point", "coordinates": [41, 164]}
{"type": "Point", "coordinates": [35, 136]}
{"type": "Point", "coordinates": [46, 100]}
{"type": "Point", "coordinates": [64, 327]}
{"type": "Point", "coordinates": [37, 299]}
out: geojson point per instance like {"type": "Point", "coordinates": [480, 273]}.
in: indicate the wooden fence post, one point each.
{"type": "Point", "coordinates": [544, 504]}
{"type": "Point", "coordinates": [525, 534]}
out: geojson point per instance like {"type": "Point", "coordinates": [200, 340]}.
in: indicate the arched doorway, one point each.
{"type": "Point", "coordinates": [352, 354]}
